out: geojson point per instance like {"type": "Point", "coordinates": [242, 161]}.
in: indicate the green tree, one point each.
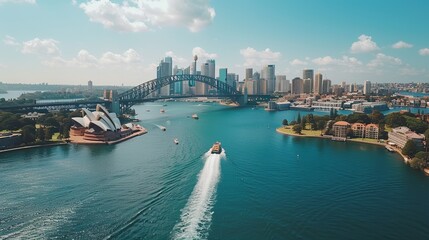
{"type": "Point", "coordinates": [303, 122]}
{"type": "Point", "coordinates": [28, 134]}
{"type": "Point", "coordinates": [410, 149]}
{"type": "Point", "coordinates": [297, 128]}
{"type": "Point", "coordinates": [299, 117]}
{"type": "Point", "coordinates": [48, 133]}
{"type": "Point", "coordinates": [331, 114]}
{"type": "Point", "coordinates": [427, 139]}
{"type": "Point", "coordinates": [40, 134]}
{"type": "Point", "coordinates": [417, 163]}
{"type": "Point", "coordinates": [415, 124]}
{"type": "Point", "coordinates": [285, 122]}
{"type": "Point", "coordinates": [395, 120]}
{"type": "Point", "coordinates": [320, 124]}
{"type": "Point", "coordinates": [376, 116]}
{"type": "Point", "coordinates": [358, 117]}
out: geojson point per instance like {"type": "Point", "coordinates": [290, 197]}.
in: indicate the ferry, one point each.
{"type": "Point", "coordinates": [162, 110]}
{"type": "Point", "coordinates": [176, 141]}
{"type": "Point", "coordinates": [195, 116]}
{"type": "Point", "coordinates": [217, 148]}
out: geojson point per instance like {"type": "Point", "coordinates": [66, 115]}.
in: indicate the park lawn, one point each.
{"type": "Point", "coordinates": [306, 132]}
{"type": "Point", "coordinates": [364, 140]}
{"type": "Point", "coordinates": [55, 137]}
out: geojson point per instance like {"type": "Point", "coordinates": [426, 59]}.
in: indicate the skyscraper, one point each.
{"type": "Point", "coordinates": [202, 88]}
{"type": "Point", "coordinates": [90, 86]}
{"type": "Point", "coordinates": [326, 86]}
{"type": "Point", "coordinates": [367, 87]}
{"type": "Point", "coordinates": [212, 68]}
{"type": "Point", "coordinates": [269, 74]}
{"type": "Point", "coordinates": [249, 73]}
{"type": "Point", "coordinates": [297, 86]}
{"type": "Point", "coordinates": [164, 69]}
{"type": "Point", "coordinates": [317, 88]}
{"type": "Point", "coordinates": [308, 74]}
{"type": "Point", "coordinates": [223, 73]}
{"type": "Point", "coordinates": [280, 83]}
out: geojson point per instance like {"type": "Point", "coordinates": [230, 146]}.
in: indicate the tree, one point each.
{"type": "Point", "coordinates": [299, 117]}
{"type": "Point", "coordinates": [410, 149]}
{"type": "Point", "coordinates": [285, 122]}
{"type": "Point", "coordinates": [40, 134]}
{"type": "Point", "coordinates": [415, 124]}
{"type": "Point", "coordinates": [427, 139]}
{"type": "Point", "coordinates": [297, 128]}
{"type": "Point", "coordinates": [28, 134]}
{"type": "Point", "coordinates": [303, 122]}
{"type": "Point", "coordinates": [376, 116]}
{"type": "Point", "coordinates": [48, 133]}
{"type": "Point", "coordinates": [395, 120]}
{"type": "Point", "coordinates": [331, 114]}
{"type": "Point", "coordinates": [358, 117]}
{"type": "Point", "coordinates": [418, 163]}
{"type": "Point", "coordinates": [320, 125]}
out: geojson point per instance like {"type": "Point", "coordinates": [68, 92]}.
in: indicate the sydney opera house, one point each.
{"type": "Point", "coordinates": [100, 126]}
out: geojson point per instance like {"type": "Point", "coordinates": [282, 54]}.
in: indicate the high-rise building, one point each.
{"type": "Point", "coordinates": [280, 83]}
{"type": "Point", "coordinates": [251, 86]}
{"type": "Point", "coordinates": [326, 86]}
{"type": "Point", "coordinates": [186, 84]}
{"type": "Point", "coordinates": [212, 68]}
{"type": "Point", "coordinates": [367, 87]}
{"type": "Point", "coordinates": [164, 69]}
{"type": "Point", "coordinates": [308, 74]}
{"type": "Point", "coordinates": [202, 88]}
{"type": "Point", "coordinates": [317, 88]}
{"type": "Point", "coordinates": [307, 85]}
{"type": "Point", "coordinates": [223, 73]}
{"type": "Point", "coordinates": [297, 86]}
{"type": "Point", "coordinates": [90, 85]}
{"type": "Point", "coordinates": [249, 73]}
{"type": "Point", "coordinates": [269, 74]}
{"type": "Point", "coordinates": [231, 79]}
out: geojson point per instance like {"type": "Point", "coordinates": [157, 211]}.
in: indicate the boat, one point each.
{"type": "Point", "coordinates": [195, 116]}
{"type": "Point", "coordinates": [390, 149]}
{"type": "Point", "coordinates": [176, 141]}
{"type": "Point", "coordinates": [217, 148]}
{"type": "Point", "coordinates": [162, 110]}
{"type": "Point", "coordinates": [147, 110]}
{"type": "Point", "coordinates": [163, 128]}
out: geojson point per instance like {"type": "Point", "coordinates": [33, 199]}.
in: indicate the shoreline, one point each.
{"type": "Point", "coordinates": [405, 159]}
{"type": "Point", "coordinates": [33, 146]}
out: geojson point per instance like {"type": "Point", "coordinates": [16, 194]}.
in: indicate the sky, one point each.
{"type": "Point", "coordinates": [122, 42]}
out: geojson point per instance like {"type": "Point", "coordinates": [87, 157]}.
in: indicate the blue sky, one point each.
{"type": "Point", "coordinates": [121, 42]}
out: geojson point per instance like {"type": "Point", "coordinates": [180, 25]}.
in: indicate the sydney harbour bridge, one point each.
{"type": "Point", "coordinates": [143, 93]}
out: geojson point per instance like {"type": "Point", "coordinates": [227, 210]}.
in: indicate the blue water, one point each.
{"type": "Point", "coordinates": [264, 186]}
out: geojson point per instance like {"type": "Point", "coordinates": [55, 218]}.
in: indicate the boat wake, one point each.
{"type": "Point", "coordinates": [196, 216]}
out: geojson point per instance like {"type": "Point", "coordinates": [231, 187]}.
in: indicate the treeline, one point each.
{"type": "Point", "coordinates": [61, 95]}
{"type": "Point", "coordinates": [39, 130]}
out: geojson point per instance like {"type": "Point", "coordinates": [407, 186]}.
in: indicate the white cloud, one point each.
{"type": "Point", "coordinates": [40, 46]}
{"type": "Point", "coordinates": [85, 59]}
{"type": "Point", "coordinates": [365, 44]}
{"type": "Point", "coordinates": [424, 51]}
{"type": "Point", "coordinates": [2, 66]}
{"type": "Point", "coordinates": [177, 60]}
{"type": "Point", "coordinates": [144, 15]}
{"type": "Point", "coordinates": [344, 61]}
{"type": "Point", "coordinates": [382, 59]}
{"type": "Point", "coordinates": [402, 44]}
{"type": "Point", "coordinates": [297, 62]}
{"type": "Point", "coordinates": [74, 2]}
{"type": "Point", "coordinates": [254, 58]}
{"type": "Point", "coordinates": [410, 71]}
{"type": "Point", "coordinates": [18, 1]}
{"type": "Point", "coordinates": [10, 41]}
{"type": "Point", "coordinates": [203, 54]}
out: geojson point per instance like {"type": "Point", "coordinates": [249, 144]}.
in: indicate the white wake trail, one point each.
{"type": "Point", "coordinates": [197, 215]}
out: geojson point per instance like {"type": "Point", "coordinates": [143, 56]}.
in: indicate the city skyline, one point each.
{"type": "Point", "coordinates": [75, 41]}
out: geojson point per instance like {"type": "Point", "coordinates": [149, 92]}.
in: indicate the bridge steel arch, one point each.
{"type": "Point", "coordinates": [140, 92]}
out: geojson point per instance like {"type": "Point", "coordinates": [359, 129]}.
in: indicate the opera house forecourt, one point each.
{"type": "Point", "coordinates": [102, 127]}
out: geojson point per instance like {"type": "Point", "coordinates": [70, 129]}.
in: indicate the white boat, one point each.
{"type": "Point", "coordinates": [162, 110]}
{"type": "Point", "coordinates": [176, 141]}
{"type": "Point", "coordinates": [390, 149]}
{"type": "Point", "coordinates": [195, 116]}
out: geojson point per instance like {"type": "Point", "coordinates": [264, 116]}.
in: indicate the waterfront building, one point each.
{"type": "Point", "coordinates": [372, 131]}
{"type": "Point", "coordinates": [340, 129]}
{"type": "Point", "coordinates": [272, 106]}
{"type": "Point", "coordinates": [283, 105]}
{"type": "Point", "coordinates": [401, 135]}
{"type": "Point", "coordinates": [32, 115]}
{"type": "Point", "coordinates": [326, 86]}
{"type": "Point", "coordinates": [358, 130]}
{"type": "Point", "coordinates": [318, 85]}
{"type": "Point", "coordinates": [368, 107]}
{"type": "Point", "coordinates": [97, 126]}
{"type": "Point", "coordinates": [327, 105]}
{"type": "Point", "coordinates": [297, 86]}
{"type": "Point", "coordinates": [367, 87]}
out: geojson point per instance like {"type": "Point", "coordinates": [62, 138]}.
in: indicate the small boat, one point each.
{"type": "Point", "coordinates": [217, 148]}
{"type": "Point", "coordinates": [163, 128]}
{"type": "Point", "coordinates": [195, 116]}
{"type": "Point", "coordinates": [162, 110]}
{"type": "Point", "coordinates": [147, 110]}
{"type": "Point", "coordinates": [389, 148]}
{"type": "Point", "coordinates": [164, 105]}
{"type": "Point", "coordinates": [176, 141]}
